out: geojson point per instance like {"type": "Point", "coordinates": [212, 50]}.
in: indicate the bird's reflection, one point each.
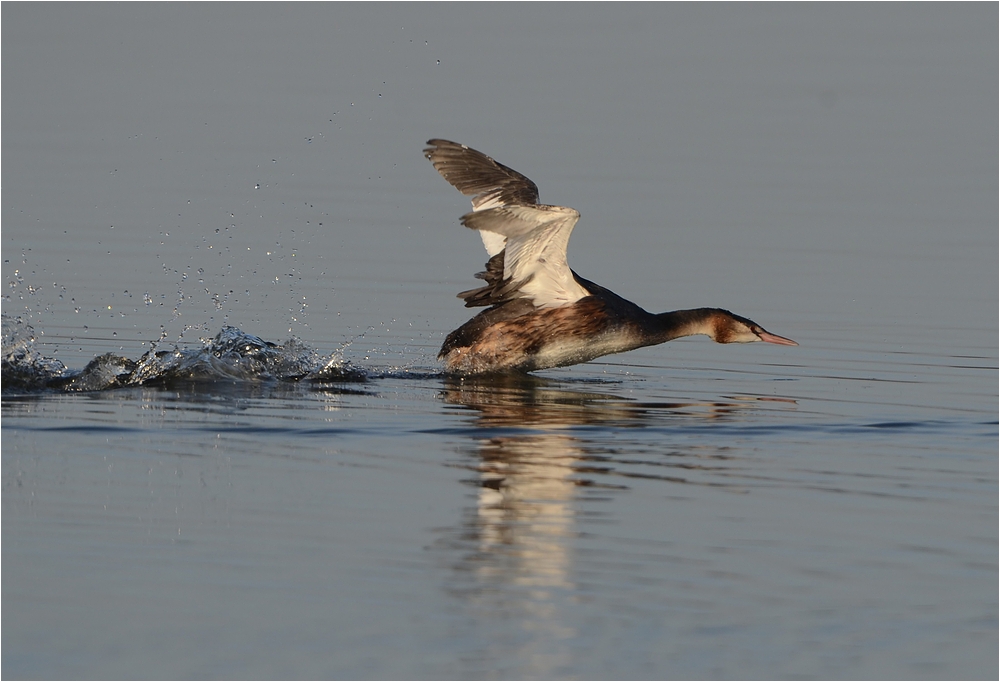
{"type": "Point", "coordinates": [534, 462]}
{"type": "Point", "coordinates": [530, 462]}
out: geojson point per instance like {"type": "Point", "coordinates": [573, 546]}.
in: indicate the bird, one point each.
{"type": "Point", "coordinates": [539, 313]}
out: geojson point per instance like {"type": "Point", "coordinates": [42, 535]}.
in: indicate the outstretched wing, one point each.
{"type": "Point", "coordinates": [526, 241]}
{"type": "Point", "coordinates": [477, 175]}
{"type": "Point", "coordinates": [535, 256]}
{"type": "Point", "coordinates": [489, 183]}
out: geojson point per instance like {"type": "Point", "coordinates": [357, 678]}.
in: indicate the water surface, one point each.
{"type": "Point", "coordinates": [334, 506]}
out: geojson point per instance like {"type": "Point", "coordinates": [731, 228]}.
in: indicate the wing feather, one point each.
{"type": "Point", "coordinates": [474, 174]}
{"type": "Point", "coordinates": [526, 240]}
{"type": "Point", "coordinates": [535, 265]}
{"type": "Point", "coordinates": [489, 183]}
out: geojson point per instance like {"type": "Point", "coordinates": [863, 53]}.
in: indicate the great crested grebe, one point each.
{"type": "Point", "coordinates": [539, 313]}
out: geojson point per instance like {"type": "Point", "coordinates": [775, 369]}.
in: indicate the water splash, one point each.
{"type": "Point", "coordinates": [232, 356]}
{"type": "Point", "coordinates": [22, 364]}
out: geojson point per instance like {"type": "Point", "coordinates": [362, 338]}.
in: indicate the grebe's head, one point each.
{"type": "Point", "coordinates": [730, 328]}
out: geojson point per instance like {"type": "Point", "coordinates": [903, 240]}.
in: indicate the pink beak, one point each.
{"type": "Point", "coordinates": [774, 338]}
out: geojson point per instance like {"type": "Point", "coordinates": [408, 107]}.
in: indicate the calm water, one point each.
{"type": "Point", "coordinates": [685, 511]}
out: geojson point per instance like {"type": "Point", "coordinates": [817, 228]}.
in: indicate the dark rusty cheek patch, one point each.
{"type": "Point", "coordinates": [723, 334]}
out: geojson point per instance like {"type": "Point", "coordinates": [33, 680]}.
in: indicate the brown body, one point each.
{"type": "Point", "coordinates": [526, 340]}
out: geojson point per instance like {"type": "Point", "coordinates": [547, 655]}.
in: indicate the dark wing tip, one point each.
{"type": "Point", "coordinates": [476, 174]}
{"type": "Point", "coordinates": [436, 144]}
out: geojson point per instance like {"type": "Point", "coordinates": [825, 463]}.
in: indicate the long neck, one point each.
{"type": "Point", "coordinates": [673, 325]}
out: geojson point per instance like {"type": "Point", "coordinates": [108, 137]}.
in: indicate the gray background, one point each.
{"type": "Point", "coordinates": [688, 510]}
